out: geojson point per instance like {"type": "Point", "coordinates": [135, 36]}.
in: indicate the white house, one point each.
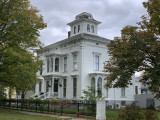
{"type": "Point", "coordinates": [76, 62]}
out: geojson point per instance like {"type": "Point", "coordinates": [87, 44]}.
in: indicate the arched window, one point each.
{"type": "Point", "coordinates": [74, 29]}
{"type": "Point", "coordinates": [92, 27]}
{"type": "Point", "coordinates": [88, 28]}
{"type": "Point", "coordinates": [51, 64]}
{"type": "Point", "coordinates": [93, 84]}
{"type": "Point", "coordinates": [99, 86]}
{"type": "Point", "coordinates": [78, 28]}
{"type": "Point", "coordinates": [57, 65]}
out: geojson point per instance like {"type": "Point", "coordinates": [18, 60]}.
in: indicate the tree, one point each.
{"type": "Point", "coordinates": [138, 49]}
{"type": "Point", "coordinates": [89, 95]}
{"type": "Point", "coordinates": [19, 31]}
{"type": "Point", "coordinates": [2, 92]}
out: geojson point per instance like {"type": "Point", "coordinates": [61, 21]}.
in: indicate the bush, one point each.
{"type": "Point", "coordinates": [130, 113]}
{"type": "Point", "coordinates": [40, 104]}
{"type": "Point", "coordinates": [54, 102]}
{"type": "Point", "coordinates": [151, 115]}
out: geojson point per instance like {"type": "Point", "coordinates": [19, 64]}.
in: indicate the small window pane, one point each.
{"type": "Point", "coordinates": [88, 28]}
{"type": "Point", "coordinates": [99, 86]}
{"type": "Point", "coordinates": [78, 28]}
{"type": "Point", "coordinates": [75, 61]}
{"type": "Point", "coordinates": [74, 87]}
{"type": "Point", "coordinates": [92, 27]}
{"type": "Point", "coordinates": [65, 64]}
{"type": "Point", "coordinates": [47, 86]}
{"type": "Point", "coordinates": [57, 65]}
{"type": "Point", "coordinates": [51, 64]}
{"type": "Point", "coordinates": [122, 92]}
{"type": "Point", "coordinates": [96, 64]}
{"type": "Point", "coordinates": [74, 29]}
{"type": "Point", "coordinates": [64, 87]}
{"type": "Point", "coordinates": [47, 65]}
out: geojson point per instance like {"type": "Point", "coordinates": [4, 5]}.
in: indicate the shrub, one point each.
{"type": "Point", "coordinates": [130, 113]}
{"type": "Point", "coordinates": [54, 102]}
{"type": "Point", "coordinates": [151, 115]}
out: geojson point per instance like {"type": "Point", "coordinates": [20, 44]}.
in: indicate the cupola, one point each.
{"type": "Point", "coordinates": [84, 23]}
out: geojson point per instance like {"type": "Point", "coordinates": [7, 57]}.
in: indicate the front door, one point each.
{"type": "Point", "coordinates": [56, 86]}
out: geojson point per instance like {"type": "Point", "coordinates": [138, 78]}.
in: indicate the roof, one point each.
{"type": "Point", "coordinates": [80, 37]}
{"type": "Point", "coordinates": [84, 17]}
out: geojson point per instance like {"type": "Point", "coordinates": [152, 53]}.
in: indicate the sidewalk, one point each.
{"type": "Point", "coordinates": [55, 116]}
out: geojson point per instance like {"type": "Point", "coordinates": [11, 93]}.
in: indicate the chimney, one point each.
{"type": "Point", "coordinates": [69, 34]}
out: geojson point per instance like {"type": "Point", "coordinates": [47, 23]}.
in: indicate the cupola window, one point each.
{"type": "Point", "coordinates": [88, 28]}
{"type": "Point", "coordinates": [74, 29]}
{"type": "Point", "coordinates": [92, 27]}
{"type": "Point", "coordinates": [78, 28]}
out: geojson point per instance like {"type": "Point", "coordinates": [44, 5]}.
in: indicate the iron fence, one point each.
{"type": "Point", "coordinates": [45, 106]}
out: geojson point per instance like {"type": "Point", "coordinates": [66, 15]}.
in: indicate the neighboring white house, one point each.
{"type": "Point", "coordinates": [76, 62]}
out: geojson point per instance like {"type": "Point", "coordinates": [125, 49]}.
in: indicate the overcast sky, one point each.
{"type": "Point", "coordinates": [114, 15]}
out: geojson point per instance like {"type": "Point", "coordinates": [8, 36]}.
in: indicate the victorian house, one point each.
{"type": "Point", "coordinates": [76, 62]}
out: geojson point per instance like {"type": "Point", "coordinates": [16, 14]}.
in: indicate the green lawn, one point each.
{"type": "Point", "coordinates": [12, 115]}
{"type": "Point", "coordinates": [112, 114]}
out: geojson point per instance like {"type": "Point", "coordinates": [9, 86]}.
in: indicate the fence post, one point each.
{"type": "Point", "coordinates": [78, 109]}
{"type": "Point", "coordinates": [48, 107]}
{"type": "Point", "coordinates": [101, 110]}
{"type": "Point", "coordinates": [9, 103]}
{"type": "Point", "coordinates": [36, 106]}
{"type": "Point", "coordinates": [4, 103]}
{"type": "Point", "coordinates": [17, 103]}
{"type": "Point", "coordinates": [61, 108]}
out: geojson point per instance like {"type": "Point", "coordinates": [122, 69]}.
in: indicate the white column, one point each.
{"type": "Point", "coordinates": [43, 85]}
{"type": "Point", "coordinates": [49, 91]}
{"type": "Point", "coordinates": [101, 110]}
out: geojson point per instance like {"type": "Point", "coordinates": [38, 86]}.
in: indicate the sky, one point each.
{"type": "Point", "coordinates": [114, 15]}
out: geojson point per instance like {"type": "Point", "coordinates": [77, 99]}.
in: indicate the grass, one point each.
{"type": "Point", "coordinates": [12, 115]}
{"type": "Point", "coordinates": [112, 114]}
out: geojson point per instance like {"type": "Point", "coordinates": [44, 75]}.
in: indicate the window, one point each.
{"type": "Point", "coordinates": [47, 65]}
{"type": "Point", "coordinates": [136, 90]}
{"type": "Point", "coordinates": [65, 64]}
{"type": "Point", "coordinates": [64, 87]}
{"type": "Point", "coordinates": [56, 85]}
{"type": "Point", "coordinates": [78, 28]}
{"type": "Point", "coordinates": [74, 61]}
{"type": "Point", "coordinates": [92, 27]}
{"type": "Point", "coordinates": [96, 64]}
{"type": "Point", "coordinates": [47, 86]}
{"type": "Point", "coordinates": [99, 86]}
{"type": "Point", "coordinates": [93, 84]}
{"type": "Point", "coordinates": [122, 92]}
{"type": "Point", "coordinates": [123, 103]}
{"type": "Point", "coordinates": [74, 87]}
{"type": "Point", "coordinates": [88, 28]}
{"type": "Point", "coordinates": [41, 70]}
{"type": "Point", "coordinates": [74, 29]}
{"type": "Point", "coordinates": [57, 65]}
{"type": "Point", "coordinates": [51, 64]}
{"type": "Point", "coordinates": [40, 86]}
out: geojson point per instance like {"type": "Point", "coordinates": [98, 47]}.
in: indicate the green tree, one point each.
{"type": "Point", "coordinates": [2, 92]}
{"type": "Point", "coordinates": [138, 49]}
{"type": "Point", "coordinates": [89, 95]}
{"type": "Point", "coordinates": [19, 31]}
